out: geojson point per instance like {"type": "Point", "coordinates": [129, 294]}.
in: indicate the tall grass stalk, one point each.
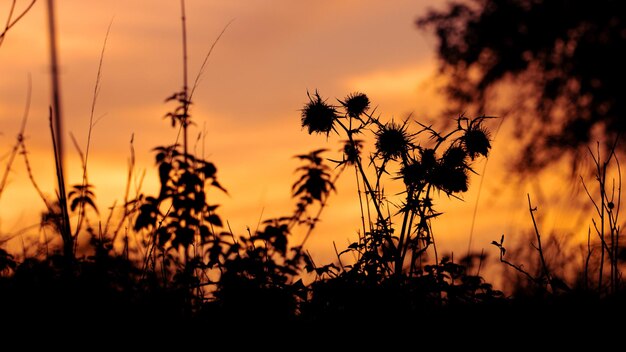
{"type": "Point", "coordinates": [56, 129]}
{"type": "Point", "coordinates": [83, 191]}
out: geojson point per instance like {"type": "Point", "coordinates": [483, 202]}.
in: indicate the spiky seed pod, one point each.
{"type": "Point", "coordinates": [318, 116]}
{"type": "Point", "coordinates": [476, 141]}
{"type": "Point", "coordinates": [356, 104]}
{"type": "Point", "coordinates": [455, 156]}
{"type": "Point", "coordinates": [413, 174]}
{"type": "Point", "coordinates": [351, 152]}
{"type": "Point", "coordinates": [392, 141]}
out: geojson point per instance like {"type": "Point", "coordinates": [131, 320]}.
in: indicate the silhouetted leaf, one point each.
{"type": "Point", "coordinates": [214, 219]}
{"type": "Point", "coordinates": [219, 186]}
{"type": "Point", "coordinates": [208, 170]}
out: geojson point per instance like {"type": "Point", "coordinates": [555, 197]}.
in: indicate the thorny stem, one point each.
{"type": "Point", "coordinates": [381, 218]}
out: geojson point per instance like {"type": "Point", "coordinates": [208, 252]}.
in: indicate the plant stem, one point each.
{"type": "Point", "coordinates": [11, 22]}
{"type": "Point", "coordinates": [381, 218]}
{"type": "Point", "coordinates": [601, 179]}
{"type": "Point", "coordinates": [66, 234]}
{"type": "Point", "coordinates": [186, 102]}
{"type": "Point", "coordinates": [544, 268]}
{"type": "Point", "coordinates": [56, 128]}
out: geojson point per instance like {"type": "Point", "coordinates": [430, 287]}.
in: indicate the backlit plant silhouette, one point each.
{"type": "Point", "coordinates": [396, 235]}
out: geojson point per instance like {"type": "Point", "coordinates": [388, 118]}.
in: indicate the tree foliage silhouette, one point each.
{"type": "Point", "coordinates": [562, 57]}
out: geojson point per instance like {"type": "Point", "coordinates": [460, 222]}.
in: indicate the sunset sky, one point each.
{"type": "Point", "coordinates": [249, 102]}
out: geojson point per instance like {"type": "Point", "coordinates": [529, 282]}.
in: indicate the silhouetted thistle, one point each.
{"type": "Point", "coordinates": [450, 179]}
{"type": "Point", "coordinates": [454, 157]}
{"type": "Point", "coordinates": [393, 141]}
{"type": "Point", "coordinates": [351, 152]}
{"type": "Point", "coordinates": [428, 158]}
{"type": "Point", "coordinates": [413, 174]}
{"type": "Point", "coordinates": [356, 104]}
{"type": "Point", "coordinates": [476, 140]}
{"type": "Point", "coordinates": [318, 116]}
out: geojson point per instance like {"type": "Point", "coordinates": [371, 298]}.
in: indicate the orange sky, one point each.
{"type": "Point", "coordinates": [248, 100]}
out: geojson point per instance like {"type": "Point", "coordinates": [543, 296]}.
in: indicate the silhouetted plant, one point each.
{"type": "Point", "coordinates": [188, 269]}
{"type": "Point", "coordinates": [180, 221]}
{"type": "Point", "coordinates": [395, 238]}
{"type": "Point", "coordinates": [607, 227]}
{"type": "Point", "coordinates": [443, 166]}
{"type": "Point", "coordinates": [261, 272]}
{"type": "Point", "coordinates": [545, 278]}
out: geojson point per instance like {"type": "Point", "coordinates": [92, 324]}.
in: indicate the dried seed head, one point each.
{"type": "Point", "coordinates": [318, 116]}
{"type": "Point", "coordinates": [476, 141]}
{"type": "Point", "coordinates": [356, 104]}
{"type": "Point", "coordinates": [392, 141]}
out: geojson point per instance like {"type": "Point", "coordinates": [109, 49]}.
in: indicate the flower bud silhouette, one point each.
{"type": "Point", "coordinates": [476, 140]}
{"type": "Point", "coordinates": [393, 141]}
{"type": "Point", "coordinates": [318, 116]}
{"type": "Point", "coordinates": [356, 104]}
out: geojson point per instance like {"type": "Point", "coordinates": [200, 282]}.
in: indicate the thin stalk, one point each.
{"type": "Point", "coordinates": [409, 226]}
{"type": "Point", "coordinates": [359, 164]}
{"type": "Point", "coordinates": [206, 59]}
{"type": "Point", "coordinates": [403, 230]}
{"type": "Point", "coordinates": [358, 190]}
{"type": "Point", "coordinates": [20, 139]}
{"type": "Point", "coordinates": [601, 177]}
{"type": "Point", "coordinates": [616, 212]}
{"type": "Point", "coordinates": [589, 252]}
{"type": "Point", "coordinates": [56, 89]}
{"type": "Point", "coordinates": [544, 267]}
{"type": "Point", "coordinates": [129, 178]}
{"type": "Point", "coordinates": [56, 128]}
{"type": "Point", "coordinates": [358, 183]}
{"type": "Point", "coordinates": [29, 171]}
{"type": "Point", "coordinates": [184, 121]}
{"type": "Point", "coordinates": [10, 21]}
{"type": "Point", "coordinates": [66, 233]}
{"type": "Point", "coordinates": [85, 159]}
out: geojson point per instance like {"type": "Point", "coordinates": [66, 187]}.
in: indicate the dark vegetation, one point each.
{"type": "Point", "coordinates": [562, 58]}
{"type": "Point", "coordinates": [190, 272]}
